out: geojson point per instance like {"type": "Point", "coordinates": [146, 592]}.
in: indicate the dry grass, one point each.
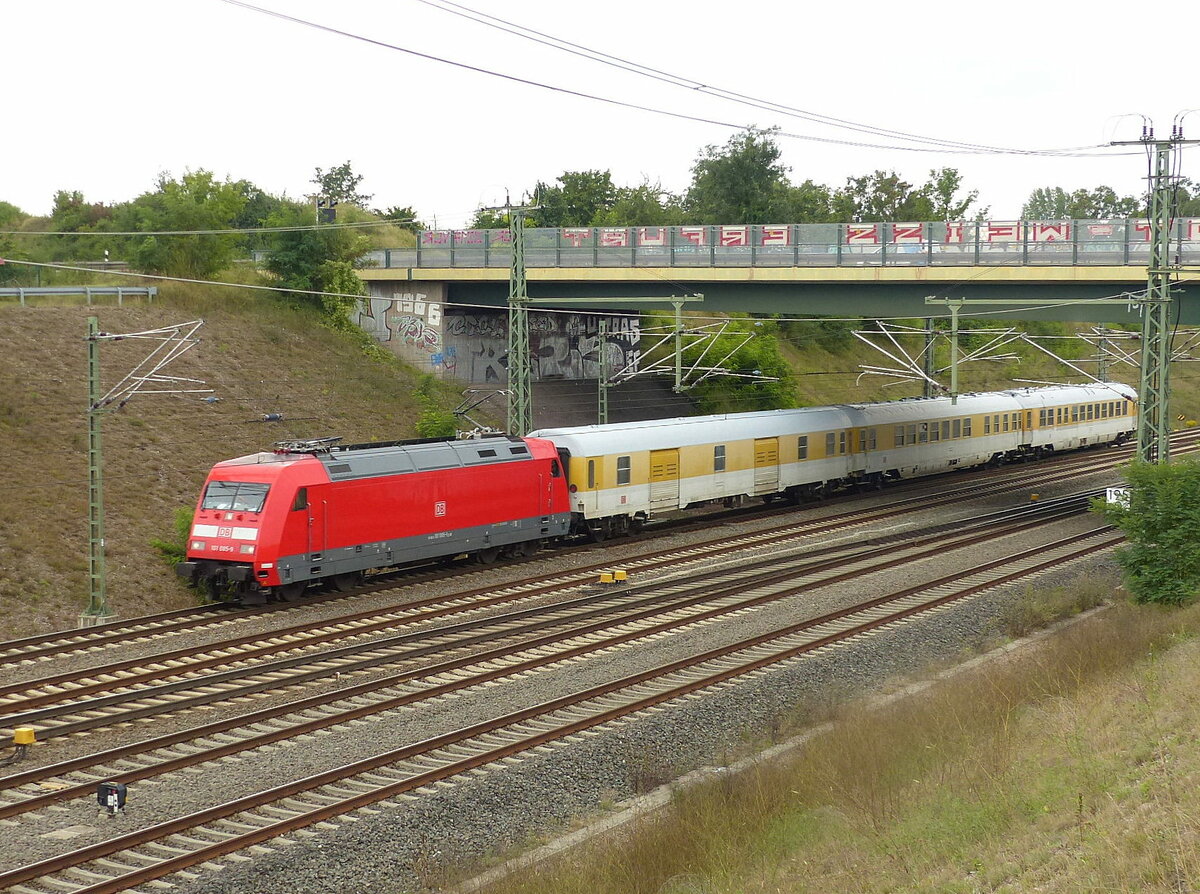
{"type": "Point", "coordinates": [1070, 767]}
{"type": "Point", "coordinates": [257, 354]}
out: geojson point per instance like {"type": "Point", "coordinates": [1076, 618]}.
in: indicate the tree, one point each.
{"type": "Point", "coordinates": [645, 205]}
{"type": "Point", "coordinates": [196, 201]}
{"type": "Point", "coordinates": [404, 218]}
{"type": "Point", "coordinates": [881, 196]}
{"type": "Point", "coordinates": [807, 203]}
{"type": "Point", "coordinates": [740, 182]}
{"type": "Point", "coordinates": [341, 185]}
{"type": "Point", "coordinates": [1162, 558]}
{"type": "Point", "coordinates": [320, 259]}
{"type": "Point", "coordinates": [1101, 203]}
{"type": "Point", "coordinates": [942, 191]}
{"type": "Point", "coordinates": [10, 215]}
{"type": "Point", "coordinates": [579, 199]}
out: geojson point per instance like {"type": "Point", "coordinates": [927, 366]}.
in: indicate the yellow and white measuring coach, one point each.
{"type": "Point", "coordinates": [622, 474]}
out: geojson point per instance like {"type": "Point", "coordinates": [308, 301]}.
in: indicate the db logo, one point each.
{"type": "Point", "coordinates": [224, 532]}
{"type": "Point", "coordinates": [439, 508]}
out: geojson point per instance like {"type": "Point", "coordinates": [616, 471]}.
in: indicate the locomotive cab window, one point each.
{"type": "Point", "coordinates": [555, 471]}
{"type": "Point", "coordinates": [623, 466]}
{"type": "Point", "coordinates": [235, 496]}
{"type": "Point", "coordinates": [301, 501]}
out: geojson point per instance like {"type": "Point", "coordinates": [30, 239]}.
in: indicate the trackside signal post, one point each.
{"type": "Point", "coordinates": [174, 340]}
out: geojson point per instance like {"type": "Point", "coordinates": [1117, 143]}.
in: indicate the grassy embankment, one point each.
{"type": "Point", "coordinates": [258, 354]}
{"type": "Point", "coordinates": [1068, 766]}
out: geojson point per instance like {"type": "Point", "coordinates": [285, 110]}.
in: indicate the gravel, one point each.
{"type": "Point", "coordinates": [404, 844]}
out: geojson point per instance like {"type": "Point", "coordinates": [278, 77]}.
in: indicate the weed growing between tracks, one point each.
{"type": "Point", "coordinates": [1066, 767]}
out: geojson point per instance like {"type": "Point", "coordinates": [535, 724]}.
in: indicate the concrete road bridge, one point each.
{"type": "Point", "coordinates": [873, 270]}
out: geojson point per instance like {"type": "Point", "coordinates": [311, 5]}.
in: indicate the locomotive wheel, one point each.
{"type": "Point", "coordinates": [348, 581]}
{"type": "Point", "coordinates": [487, 556]}
{"type": "Point", "coordinates": [292, 591]}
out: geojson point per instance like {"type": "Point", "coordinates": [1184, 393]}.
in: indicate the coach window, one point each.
{"type": "Point", "coordinates": [1006, 422]}
{"type": "Point", "coordinates": [719, 458]}
{"type": "Point", "coordinates": [1075, 412]}
{"type": "Point", "coordinates": [987, 424]}
{"type": "Point", "coordinates": [830, 442]}
{"type": "Point", "coordinates": [912, 433]}
{"type": "Point", "coordinates": [957, 432]}
{"type": "Point", "coordinates": [301, 501]}
{"type": "Point", "coordinates": [935, 431]}
{"type": "Point", "coordinates": [591, 474]}
{"type": "Point", "coordinates": [923, 433]}
{"type": "Point", "coordinates": [871, 439]}
{"type": "Point", "coordinates": [622, 470]}
{"type": "Point", "coordinates": [802, 447]}
{"type": "Point", "coordinates": [967, 427]}
{"type": "Point", "coordinates": [1042, 418]}
{"type": "Point", "coordinates": [898, 436]}
{"type": "Point", "coordinates": [842, 443]}
{"type": "Point", "coordinates": [946, 430]}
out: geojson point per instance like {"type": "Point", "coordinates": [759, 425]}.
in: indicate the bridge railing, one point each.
{"type": "Point", "coordinates": [956, 243]}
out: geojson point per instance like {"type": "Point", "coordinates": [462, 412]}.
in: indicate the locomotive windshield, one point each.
{"type": "Point", "coordinates": [235, 496]}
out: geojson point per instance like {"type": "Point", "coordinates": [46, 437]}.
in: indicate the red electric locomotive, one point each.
{"type": "Point", "coordinates": [268, 524]}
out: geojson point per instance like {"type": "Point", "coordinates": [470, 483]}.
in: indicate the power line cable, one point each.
{"type": "Point", "coordinates": [629, 105]}
{"type": "Point", "coordinates": [692, 85]}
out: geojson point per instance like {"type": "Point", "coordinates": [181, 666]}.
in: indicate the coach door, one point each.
{"type": "Point", "coordinates": [766, 465]}
{"type": "Point", "coordinates": [664, 479]}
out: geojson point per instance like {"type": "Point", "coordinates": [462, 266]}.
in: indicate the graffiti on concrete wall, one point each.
{"type": "Point", "coordinates": [473, 346]}
{"type": "Point", "coordinates": [407, 323]}
{"type": "Point", "coordinates": [561, 346]}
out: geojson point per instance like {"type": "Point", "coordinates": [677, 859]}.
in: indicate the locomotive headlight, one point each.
{"type": "Point", "coordinates": [247, 549]}
{"type": "Point", "coordinates": [197, 544]}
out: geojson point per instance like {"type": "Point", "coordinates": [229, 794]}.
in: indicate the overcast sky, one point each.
{"type": "Point", "coordinates": [102, 95]}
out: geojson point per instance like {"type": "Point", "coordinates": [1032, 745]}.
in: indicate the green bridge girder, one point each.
{"type": "Point", "coordinates": [860, 292]}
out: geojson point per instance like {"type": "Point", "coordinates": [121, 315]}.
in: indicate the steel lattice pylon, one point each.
{"type": "Point", "coordinates": [520, 376]}
{"type": "Point", "coordinates": [1153, 419]}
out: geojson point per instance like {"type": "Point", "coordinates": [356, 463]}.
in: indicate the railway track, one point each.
{"type": "Point", "coordinates": [125, 635]}
{"type": "Point", "coordinates": [682, 603]}
{"type": "Point", "coordinates": [82, 700]}
{"type": "Point", "coordinates": [152, 853]}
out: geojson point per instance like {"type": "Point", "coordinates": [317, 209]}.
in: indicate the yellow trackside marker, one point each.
{"type": "Point", "coordinates": [1033, 498]}
{"type": "Point", "coordinates": [24, 735]}
{"type": "Point", "coordinates": [606, 577]}
{"type": "Point", "coordinates": [620, 576]}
